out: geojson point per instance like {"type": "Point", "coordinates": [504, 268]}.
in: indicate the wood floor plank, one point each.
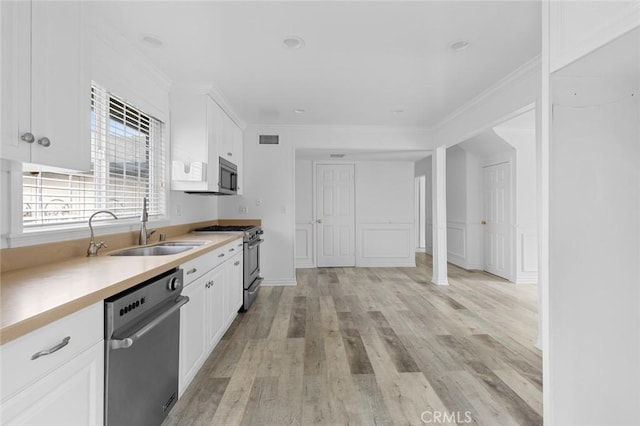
{"type": "Point", "coordinates": [298, 317]}
{"type": "Point", "coordinates": [383, 346]}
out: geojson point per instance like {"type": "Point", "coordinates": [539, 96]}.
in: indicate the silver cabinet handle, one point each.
{"type": "Point", "coordinates": [232, 249]}
{"type": "Point", "coordinates": [230, 154]}
{"type": "Point", "coordinates": [221, 255]}
{"type": "Point", "coordinates": [237, 262]}
{"type": "Point", "coordinates": [28, 137]}
{"type": "Point", "coordinates": [191, 271]}
{"type": "Point", "coordinates": [240, 245]}
{"type": "Point", "coordinates": [49, 351]}
{"type": "Point", "coordinates": [127, 342]}
{"type": "Point", "coordinates": [45, 142]}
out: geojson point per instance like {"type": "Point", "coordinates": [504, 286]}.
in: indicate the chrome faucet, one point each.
{"type": "Point", "coordinates": [144, 218]}
{"type": "Point", "coordinates": [93, 246]}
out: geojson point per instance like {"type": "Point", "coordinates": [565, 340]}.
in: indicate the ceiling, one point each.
{"type": "Point", "coordinates": [361, 60]}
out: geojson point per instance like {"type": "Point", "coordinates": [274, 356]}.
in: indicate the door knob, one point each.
{"type": "Point", "coordinates": [484, 222]}
{"type": "Point", "coordinates": [44, 142]}
{"type": "Point", "coordinates": [318, 220]}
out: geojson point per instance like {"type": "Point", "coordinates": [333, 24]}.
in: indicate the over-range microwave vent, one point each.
{"type": "Point", "coordinates": [269, 139]}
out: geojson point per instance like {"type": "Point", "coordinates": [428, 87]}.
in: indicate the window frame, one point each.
{"type": "Point", "coordinates": [19, 235]}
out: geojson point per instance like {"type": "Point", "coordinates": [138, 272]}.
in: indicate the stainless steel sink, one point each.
{"type": "Point", "coordinates": [181, 243]}
{"type": "Point", "coordinates": [160, 249]}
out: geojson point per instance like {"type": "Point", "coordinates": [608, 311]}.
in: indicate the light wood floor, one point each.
{"type": "Point", "coordinates": [375, 346]}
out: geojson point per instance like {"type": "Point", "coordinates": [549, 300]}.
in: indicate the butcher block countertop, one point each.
{"type": "Point", "coordinates": [36, 296]}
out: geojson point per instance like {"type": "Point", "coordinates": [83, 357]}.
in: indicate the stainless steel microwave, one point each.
{"type": "Point", "coordinates": [228, 177]}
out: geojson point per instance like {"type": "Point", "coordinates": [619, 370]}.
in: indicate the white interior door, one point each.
{"type": "Point", "coordinates": [497, 211]}
{"type": "Point", "coordinates": [335, 218]}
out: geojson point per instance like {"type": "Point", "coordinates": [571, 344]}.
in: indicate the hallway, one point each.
{"type": "Point", "coordinates": [375, 346]}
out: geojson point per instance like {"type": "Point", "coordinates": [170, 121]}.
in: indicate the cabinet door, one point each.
{"type": "Point", "coordinates": [71, 395]}
{"type": "Point", "coordinates": [232, 289]}
{"type": "Point", "coordinates": [193, 348]}
{"type": "Point", "coordinates": [215, 305]}
{"type": "Point", "coordinates": [213, 136]}
{"type": "Point", "coordinates": [238, 152]}
{"type": "Point", "coordinates": [16, 71]}
{"type": "Point", "coordinates": [60, 87]}
{"type": "Point", "coordinates": [237, 289]}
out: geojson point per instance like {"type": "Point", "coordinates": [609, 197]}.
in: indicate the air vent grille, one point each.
{"type": "Point", "coordinates": [269, 139]}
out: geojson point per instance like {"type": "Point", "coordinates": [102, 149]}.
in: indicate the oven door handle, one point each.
{"type": "Point", "coordinates": [255, 244]}
{"type": "Point", "coordinates": [127, 342]}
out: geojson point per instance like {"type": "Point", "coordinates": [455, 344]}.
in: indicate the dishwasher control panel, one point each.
{"type": "Point", "coordinates": [135, 304]}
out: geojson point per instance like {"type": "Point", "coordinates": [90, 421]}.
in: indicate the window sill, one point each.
{"type": "Point", "coordinates": [54, 234]}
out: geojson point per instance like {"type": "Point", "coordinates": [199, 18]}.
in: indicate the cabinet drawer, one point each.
{"type": "Point", "coordinates": [83, 328]}
{"type": "Point", "coordinates": [232, 248]}
{"type": "Point", "coordinates": [195, 268]}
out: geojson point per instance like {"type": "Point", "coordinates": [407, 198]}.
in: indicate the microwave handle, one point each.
{"type": "Point", "coordinates": [234, 181]}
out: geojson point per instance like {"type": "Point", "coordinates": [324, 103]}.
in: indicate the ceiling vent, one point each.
{"type": "Point", "coordinates": [269, 139]}
{"type": "Point", "coordinates": [336, 155]}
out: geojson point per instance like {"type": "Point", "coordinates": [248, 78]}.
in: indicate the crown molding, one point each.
{"type": "Point", "coordinates": [525, 68]}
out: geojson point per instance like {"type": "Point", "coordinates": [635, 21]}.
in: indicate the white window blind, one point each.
{"type": "Point", "coordinates": [128, 163]}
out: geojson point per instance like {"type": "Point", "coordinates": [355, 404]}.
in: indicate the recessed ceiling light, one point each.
{"type": "Point", "coordinates": [152, 40]}
{"type": "Point", "coordinates": [336, 155]}
{"type": "Point", "coordinates": [397, 111]}
{"type": "Point", "coordinates": [299, 110]}
{"type": "Point", "coordinates": [293, 42]}
{"type": "Point", "coordinates": [458, 45]}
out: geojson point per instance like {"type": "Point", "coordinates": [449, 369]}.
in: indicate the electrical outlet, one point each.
{"type": "Point", "coordinates": [283, 209]}
{"type": "Point", "coordinates": [178, 210]}
{"type": "Point", "coordinates": [244, 209]}
{"type": "Point", "coordinates": [259, 202]}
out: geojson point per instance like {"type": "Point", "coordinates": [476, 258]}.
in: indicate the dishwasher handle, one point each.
{"type": "Point", "coordinates": [127, 342]}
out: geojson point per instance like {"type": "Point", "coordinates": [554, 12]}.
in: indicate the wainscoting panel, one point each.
{"type": "Point", "coordinates": [527, 256]}
{"type": "Point", "coordinates": [457, 243]}
{"type": "Point", "coordinates": [304, 245]}
{"type": "Point", "coordinates": [385, 245]}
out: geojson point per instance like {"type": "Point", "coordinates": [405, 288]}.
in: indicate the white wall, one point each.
{"type": "Point", "coordinates": [595, 248]}
{"type": "Point", "coordinates": [464, 209]}
{"type": "Point", "coordinates": [423, 168]}
{"type": "Point", "coordinates": [270, 173]}
{"type": "Point", "coordinates": [526, 200]}
{"type": "Point", "coordinates": [385, 213]}
{"type": "Point", "coordinates": [456, 206]}
{"type": "Point", "coordinates": [304, 241]}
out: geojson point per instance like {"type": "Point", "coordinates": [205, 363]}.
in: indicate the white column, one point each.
{"type": "Point", "coordinates": [439, 197]}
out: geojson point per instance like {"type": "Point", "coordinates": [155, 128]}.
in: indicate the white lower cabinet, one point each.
{"type": "Point", "coordinates": [55, 374]}
{"type": "Point", "coordinates": [70, 395]}
{"type": "Point", "coordinates": [215, 306]}
{"type": "Point", "coordinates": [233, 288]}
{"type": "Point", "coordinates": [193, 350]}
{"type": "Point", "coordinates": [214, 300]}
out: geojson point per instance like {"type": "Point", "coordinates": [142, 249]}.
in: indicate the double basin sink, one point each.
{"type": "Point", "coordinates": [160, 249]}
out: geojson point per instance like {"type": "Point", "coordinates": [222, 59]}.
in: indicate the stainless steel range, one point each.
{"type": "Point", "coordinates": [252, 240]}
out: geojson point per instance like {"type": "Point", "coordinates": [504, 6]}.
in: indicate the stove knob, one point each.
{"type": "Point", "coordinates": [174, 284]}
{"type": "Point", "coordinates": [259, 232]}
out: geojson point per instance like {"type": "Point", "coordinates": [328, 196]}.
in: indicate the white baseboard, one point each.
{"type": "Point", "coordinates": [442, 282]}
{"type": "Point", "coordinates": [275, 283]}
{"type": "Point", "coordinates": [421, 250]}
{"type": "Point", "coordinates": [304, 263]}
{"type": "Point", "coordinates": [363, 263]}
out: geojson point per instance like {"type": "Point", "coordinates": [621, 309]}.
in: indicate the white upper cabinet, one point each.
{"type": "Point", "coordinates": [580, 27]}
{"type": "Point", "coordinates": [201, 133]}
{"type": "Point", "coordinates": [46, 102]}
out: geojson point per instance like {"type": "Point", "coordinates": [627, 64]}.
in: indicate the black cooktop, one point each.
{"type": "Point", "coordinates": [223, 228]}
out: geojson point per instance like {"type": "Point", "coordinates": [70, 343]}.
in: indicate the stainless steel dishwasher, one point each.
{"type": "Point", "coordinates": [142, 327]}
